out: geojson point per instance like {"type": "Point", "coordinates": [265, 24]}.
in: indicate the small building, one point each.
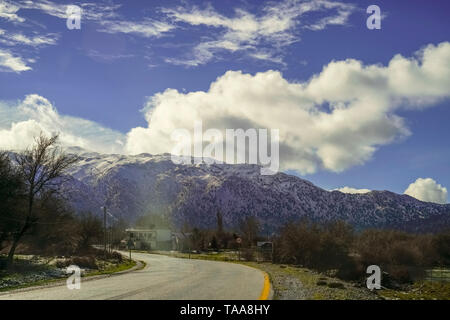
{"type": "Point", "coordinates": [150, 239]}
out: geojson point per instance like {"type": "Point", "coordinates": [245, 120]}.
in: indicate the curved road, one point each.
{"type": "Point", "coordinates": [163, 278]}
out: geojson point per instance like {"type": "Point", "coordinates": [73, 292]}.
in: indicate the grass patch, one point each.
{"type": "Point", "coordinates": [127, 264]}
{"type": "Point", "coordinates": [425, 290]}
{"type": "Point", "coordinates": [218, 256]}
{"type": "Point", "coordinates": [337, 285]}
{"type": "Point", "coordinates": [32, 284]}
{"type": "Point", "coordinates": [24, 268]}
{"type": "Point", "coordinates": [438, 273]}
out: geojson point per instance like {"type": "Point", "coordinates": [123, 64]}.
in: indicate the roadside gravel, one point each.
{"type": "Point", "coordinates": [296, 283]}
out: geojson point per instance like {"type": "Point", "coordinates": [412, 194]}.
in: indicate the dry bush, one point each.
{"type": "Point", "coordinates": [403, 256]}
{"type": "Point", "coordinates": [84, 262]}
{"type": "Point", "coordinates": [313, 246]}
{"type": "Point", "coordinates": [441, 243]}
{"type": "Point", "coordinates": [117, 256]}
{"type": "Point", "coordinates": [351, 269]}
{"type": "Point", "coordinates": [395, 248]}
{"type": "Point", "coordinates": [248, 254]}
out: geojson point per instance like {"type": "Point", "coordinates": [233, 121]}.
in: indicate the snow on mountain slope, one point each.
{"type": "Point", "coordinates": [131, 186]}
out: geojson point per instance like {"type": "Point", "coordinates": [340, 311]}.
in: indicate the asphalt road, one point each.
{"type": "Point", "coordinates": [163, 278]}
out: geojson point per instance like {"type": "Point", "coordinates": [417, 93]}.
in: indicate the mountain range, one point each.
{"type": "Point", "coordinates": [135, 185]}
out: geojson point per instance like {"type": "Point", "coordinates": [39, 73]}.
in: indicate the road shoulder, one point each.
{"type": "Point", "coordinates": [139, 265]}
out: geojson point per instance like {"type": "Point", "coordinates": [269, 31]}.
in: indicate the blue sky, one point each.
{"type": "Point", "coordinates": [99, 83]}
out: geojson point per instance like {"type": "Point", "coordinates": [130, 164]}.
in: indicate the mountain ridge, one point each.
{"type": "Point", "coordinates": [132, 186]}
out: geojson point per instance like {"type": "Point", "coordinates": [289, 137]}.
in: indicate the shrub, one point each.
{"type": "Point", "coordinates": [248, 254]}
{"type": "Point", "coordinates": [117, 256]}
{"type": "Point", "coordinates": [335, 248]}
{"type": "Point", "coordinates": [319, 247]}
{"type": "Point", "coordinates": [352, 269]}
{"type": "Point", "coordinates": [403, 256]}
{"type": "Point", "coordinates": [85, 262]}
{"type": "Point", "coordinates": [61, 264]}
{"type": "Point", "coordinates": [400, 273]}
{"type": "Point", "coordinates": [89, 229]}
{"type": "Point", "coordinates": [441, 243]}
{"type": "Point", "coordinates": [298, 243]}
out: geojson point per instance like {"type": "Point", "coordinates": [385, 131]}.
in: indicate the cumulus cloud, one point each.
{"type": "Point", "coordinates": [11, 63]}
{"type": "Point", "coordinates": [22, 122]}
{"type": "Point", "coordinates": [333, 121]}
{"type": "Point", "coordinates": [427, 190]}
{"type": "Point", "coordinates": [274, 28]}
{"type": "Point", "coordinates": [351, 190]}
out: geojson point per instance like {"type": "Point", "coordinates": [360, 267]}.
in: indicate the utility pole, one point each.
{"type": "Point", "coordinates": [104, 228]}
{"type": "Point", "coordinates": [130, 242]}
{"type": "Point", "coordinates": [110, 239]}
{"type": "Point", "coordinates": [239, 252]}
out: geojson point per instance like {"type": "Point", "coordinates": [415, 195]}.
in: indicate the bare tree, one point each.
{"type": "Point", "coordinates": [90, 230]}
{"type": "Point", "coordinates": [249, 228]}
{"type": "Point", "coordinates": [43, 168]}
{"type": "Point", "coordinates": [11, 191]}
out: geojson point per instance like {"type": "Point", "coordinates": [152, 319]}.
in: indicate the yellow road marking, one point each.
{"type": "Point", "coordinates": [266, 289]}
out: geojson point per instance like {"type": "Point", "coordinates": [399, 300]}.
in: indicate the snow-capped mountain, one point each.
{"type": "Point", "coordinates": [132, 186]}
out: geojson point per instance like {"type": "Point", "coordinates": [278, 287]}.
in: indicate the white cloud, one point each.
{"type": "Point", "coordinates": [103, 13]}
{"type": "Point", "coordinates": [37, 40]}
{"type": "Point", "coordinates": [147, 28]}
{"type": "Point", "coordinates": [334, 121]}
{"type": "Point", "coordinates": [8, 12]}
{"type": "Point", "coordinates": [351, 190]}
{"type": "Point", "coordinates": [11, 63]}
{"type": "Point", "coordinates": [17, 63]}
{"type": "Point", "coordinates": [105, 56]}
{"type": "Point", "coordinates": [274, 28]}
{"type": "Point", "coordinates": [427, 190]}
{"type": "Point", "coordinates": [90, 11]}
{"type": "Point", "coordinates": [340, 18]}
{"type": "Point", "coordinates": [262, 35]}
{"type": "Point", "coordinates": [20, 123]}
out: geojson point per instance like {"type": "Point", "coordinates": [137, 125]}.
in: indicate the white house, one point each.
{"type": "Point", "coordinates": [150, 239]}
